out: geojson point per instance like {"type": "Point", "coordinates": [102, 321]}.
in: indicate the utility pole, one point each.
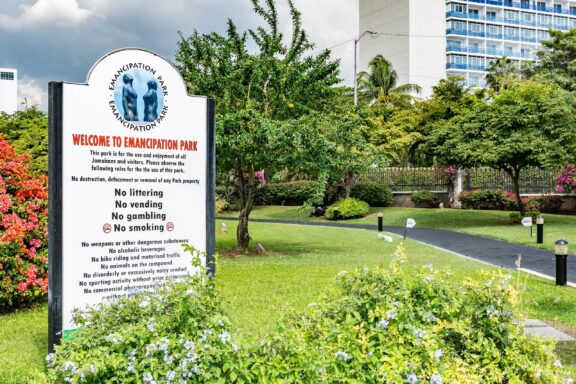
{"type": "Point", "coordinates": [356, 40]}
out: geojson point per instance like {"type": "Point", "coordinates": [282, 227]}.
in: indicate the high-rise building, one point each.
{"type": "Point", "coordinates": [8, 90]}
{"type": "Point", "coordinates": [427, 40]}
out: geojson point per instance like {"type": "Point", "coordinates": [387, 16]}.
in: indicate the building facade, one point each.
{"type": "Point", "coordinates": [8, 90]}
{"type": "Point", "coordinates": [461, 36]}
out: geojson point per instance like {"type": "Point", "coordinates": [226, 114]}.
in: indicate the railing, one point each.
{"type": "Point", "coordinates": [469, 16]}
{"type": "Point", "coordinates": [513, 4]}
{"type": "Point", "coordinates": [406, 179]}
{"type": "Point", "coordinates": [470, 67]}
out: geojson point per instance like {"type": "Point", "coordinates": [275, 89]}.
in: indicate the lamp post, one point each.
{"type": "Point", "coordinates": [539, 229]}
{"type": "Point", "coordinates": [561, 253]}
{"type": "Point", "coordinates": [380, 225]}
{"type": "Point", "coordinates": [356, 40]}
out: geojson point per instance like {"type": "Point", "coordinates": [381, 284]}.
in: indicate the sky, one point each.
{"type": "Point", "coordinates": [60, 40]}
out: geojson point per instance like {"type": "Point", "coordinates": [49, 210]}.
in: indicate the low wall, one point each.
{"type": "Point", "coordinates": [403, 199]}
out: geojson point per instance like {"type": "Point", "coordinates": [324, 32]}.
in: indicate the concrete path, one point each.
{"type": "Point", "coordinates": [495, 252]}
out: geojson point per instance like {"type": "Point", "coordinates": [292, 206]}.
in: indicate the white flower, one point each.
{"type": "Point", "coordinates": [341, 355]}
{"type": "Point", "coordinates": [70, 366]}
{"type": "Point", "coordinates": [49, 358]}
{"type": "Point", "coordinates": [170, 375]}
{"type": "Point", "coordinates": [558, 364]}
{"type": "Point", "coordinates": [569, 381]}
{"type": "Point", "coordinates": [220, 323]}
{"type": "Point", "coordinates": [429, 317]}
{"type": "Point", "coordinates": [412, 378]}
{"type": "Point", "coordinates": [429, 267]}
{"type": "Point", "coordinates": [429, 278]}
{"type": "Point", "coordinates": [192, 292]}
{"type": "Point", "coordinates": [438, 353]}
{"type": "Point", "coordinates": [189, 345]}
{"type": "Point", "coordinates": [382, 324]}
{"type": "Point", "coordinates": [144, 303]}
{"type": "Point", "coordinates": [151, 324]}
{"type": "Point", "coordinates": [224, 337]}
{"type": "Point", "coordinates": [435, 379]}
{"type": "Point", "coordinates": [148, 378]}
{"type": "Point", "coordinates": [391, 314]}
{"type": "Point", "coordinates": [419, 333]}
{"type": "Point", "coordinates": [395, 303]}
{"type": "Point", "coordinates": [235, 347]}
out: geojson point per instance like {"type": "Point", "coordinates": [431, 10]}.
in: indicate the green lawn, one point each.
{"type": "Point", "coordinates": [299, 267]}
{"type": "Point", "coordinates": [494, 224]}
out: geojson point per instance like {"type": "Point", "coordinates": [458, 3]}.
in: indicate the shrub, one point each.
{"type": "Point", "coordinates": [548, 204]}
{"type": "Point", "coordinates": [23, 231]}
{"type": "Point", "coordinates": [349, 208]}
{"type": "Point", "coordinates": [379, 327]}
{"type": "Point", "coordinates": [516, 217]}
{"type": "Point", "coordinates": [424, 199]}
{"type": "Point", "coordinates": [485, 199]}
{"type": "Point", "coordinates": [288, 193]}
{"type": "Point", "coordinates": [376, 195]}
{"type": "Point", "coordinates": [222, 205]}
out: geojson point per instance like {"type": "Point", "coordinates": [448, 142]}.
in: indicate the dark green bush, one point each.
{"type": "Point", "coordinates": [515, 217]}
{"type": "Point", "coordinates": [288, 193]}
{"type": "Point", "coordinates": [376, 195]}
{"type": "Point", "coordinates": [425, 199]}
{"type": "Point", "coordinates": [349, 208]}
{"type": "Point", "coordinates": [548, 204]}
{"type": "Point", "coordinates": [380, 326]}
{"type": "Point", "coordinates": [484, 199]}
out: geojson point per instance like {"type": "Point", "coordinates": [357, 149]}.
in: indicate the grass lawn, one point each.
{"type": "Point", "coordinates": [299, 267]}
{"type": "Point", "coordinates": [494, 224]}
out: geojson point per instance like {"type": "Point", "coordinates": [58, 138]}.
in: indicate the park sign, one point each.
{"type": "Point", "coordinates": [132, 165]}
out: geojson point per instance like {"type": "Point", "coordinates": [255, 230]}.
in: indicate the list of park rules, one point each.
{"type": "Point", "coordinates": [132, 209]}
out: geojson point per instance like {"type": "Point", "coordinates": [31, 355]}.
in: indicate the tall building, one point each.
{"type": "Point", "coordinates": [427, 40]}
{"type": "Point", "coordinates": [8, 90]}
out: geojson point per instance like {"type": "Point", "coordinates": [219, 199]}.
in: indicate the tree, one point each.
{"type": "Point", "coordinates": [260, 96]}
{"type": "Point", "coordinates": [557, 60]}
{"type": "Point", "coordinates": [501, 73]}
{"type": "Point", "coordinates": [27, 132]}
{"type": "Point", "coordinates": [526, 125]}
{"type": "Point", "coordinates": [381, 81]}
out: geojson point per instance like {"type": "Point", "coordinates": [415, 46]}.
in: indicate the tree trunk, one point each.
{"type": "Point", "coordinates": [515, 176]}
{"type": "Point", "coordinates": [246, 189]}
{"type": "Point", "coordinates": [349, 181]}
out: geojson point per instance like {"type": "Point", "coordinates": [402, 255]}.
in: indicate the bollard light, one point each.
{"type": "Point", "coordinates": [539, 229]}
{"type": "Point", "coordinates": [561, 253]}
{"type": "Point", "coordinates": [380, 224]}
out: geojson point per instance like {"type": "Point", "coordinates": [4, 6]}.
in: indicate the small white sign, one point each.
{"type": "Point", "coordinates": [410, 223]}
{"type": "Point", "coordinates": [527, 221]}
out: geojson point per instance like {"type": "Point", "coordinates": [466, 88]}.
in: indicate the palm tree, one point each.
{"type": "Point", "coordinates": [382, 81]}
{"type": "Point", "coordinates": [501, 73]}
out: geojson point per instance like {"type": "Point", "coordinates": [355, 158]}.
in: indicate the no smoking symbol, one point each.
{"type": "Point", "coordinates": [170, 226]}
{"type": "Point", "coordinates": [107, 228]}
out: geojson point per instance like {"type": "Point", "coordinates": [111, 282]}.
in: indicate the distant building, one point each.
{"type": "Point", "coordinates": [428, 40]}
{"type": "Point", "coordinates": [8, 90]}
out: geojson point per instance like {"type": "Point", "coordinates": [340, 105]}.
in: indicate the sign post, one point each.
{"type": "Point", "coordinates": [527, 222]}
{"type": "Point", "coordinates": [132, 178]}
{"type": "Point", "coordinates": [410, 223]}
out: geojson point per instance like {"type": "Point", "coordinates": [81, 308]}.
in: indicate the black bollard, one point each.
{"type": "Point", "coordinates": [561, 253]}
{"type": "Point", "coordinates": [539, 229]}
{"type": "Point", "coordinates": [380, 224]}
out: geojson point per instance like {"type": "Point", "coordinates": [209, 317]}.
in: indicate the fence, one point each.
{"type": "Point", "coordinates": [407, 179]}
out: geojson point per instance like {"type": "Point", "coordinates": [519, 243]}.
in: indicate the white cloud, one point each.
{"type": "Point", "coordinates": [63, 13]}
{"type": "Point", "coordinates": [31, 94]}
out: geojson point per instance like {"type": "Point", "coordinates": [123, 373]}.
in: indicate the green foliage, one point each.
{"type": "Point", "coordinates": [267, 97]}
{"type": "Point", "coordinates": [349, 208]}
{"type": "Point", "coordinates": [222, 205]}
{"type": "Point", "coordinates": [548, 204]}
{"type": "Point", "coordinates": [484, 199]}
{"type": "Point", "coordinates": [526, 125]}
{"type": "Point", "coordinates": [501, 73]}
{"type": "Point", "coordinates": [382, 81]}
{"type": "Point", "coordinates": [424, 199]}
{"type": "Point", "coordinates": [516, 217]}
{"type": "Point", "coordinates": [27, 132]}
{"type": "Point", "coordinates": [556, 59]}
{"type": "Point", "coordinates": [376, 195]}
{"type": "Point", "coordinates": [379, 326]}
{"type": "Point", "coordinates": [288, 193]}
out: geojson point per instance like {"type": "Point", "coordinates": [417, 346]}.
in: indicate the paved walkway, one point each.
{"type": "Point", "coordinates": [495, 252]}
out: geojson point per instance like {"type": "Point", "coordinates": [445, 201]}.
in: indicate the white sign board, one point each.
{"type": "Point", "coordinates": [527, 221]}
{"type": "Point", "coordinates": [410, 223]}
{"type": "Point", "coordinates": [135, 179]}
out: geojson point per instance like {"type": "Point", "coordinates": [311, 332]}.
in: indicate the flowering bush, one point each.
{"type": "Point", "coordinates": [566, 180]}
{"type": "Point", "coordinates": [349, 208]}
{"type": "Point", "coordinates": [380, 327]}
{"type": "Point", "coordinates": [23, 231]}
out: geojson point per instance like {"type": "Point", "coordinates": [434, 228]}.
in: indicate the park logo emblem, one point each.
{"type": "Point", "coordinates": [139, 98]}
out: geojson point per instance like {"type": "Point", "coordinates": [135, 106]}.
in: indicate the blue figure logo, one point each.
{"type": "Point", "coordinates": [136, 82]}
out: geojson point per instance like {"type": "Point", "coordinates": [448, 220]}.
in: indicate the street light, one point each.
{"type": "Point", "coordinates": [561, 253]}
{"type": "Point", "coordinates": [356, 40]}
